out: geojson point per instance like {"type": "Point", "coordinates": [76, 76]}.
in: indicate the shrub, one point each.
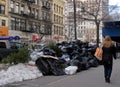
{"type": "Point", "coordinates": [20, 57]}
{"type": "Point", "coordinates": [53, 46]}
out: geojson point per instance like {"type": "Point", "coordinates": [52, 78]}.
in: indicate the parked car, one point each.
{"type": "Point", "coordinates": [6, 48]}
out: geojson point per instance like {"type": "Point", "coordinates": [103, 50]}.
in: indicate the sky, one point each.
{"type": "Point", "coordinates": [114, 2]}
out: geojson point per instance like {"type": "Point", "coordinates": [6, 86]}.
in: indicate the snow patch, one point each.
{"type": "Point", "coordinates": [19, 73]}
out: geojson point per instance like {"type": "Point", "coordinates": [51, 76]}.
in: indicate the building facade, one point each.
{"type": "Point", "coordinates": [46, 18]}
{"type": "Point", "coordinates": [28, 18]}
{"type": "Point", "coordinates": [3, 17]}
{"type": "Point", "coordinates": [86, 30]}
{"type": "Point", "coordinates": [58, 20]}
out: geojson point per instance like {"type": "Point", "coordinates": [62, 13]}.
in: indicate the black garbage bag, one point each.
{"type": "Point", "coordinates": [76, 63]}
{"type": "Point", "coordinates": [84, 63]}
{"type": "Point", "coordinates": [93, 62]}
{"type": "Point", "coordinates": [48, 51]}
{"type": "Point", "coordinates": [50, 66]}
{"type": "Point", "coordinates": [56, 67]}
{"type": "Point", "coordinates": [75, 55]}
{"type": "Point", "coordinates": [65, 57]}
{"type": "Point", "coordinates": [43, 66]}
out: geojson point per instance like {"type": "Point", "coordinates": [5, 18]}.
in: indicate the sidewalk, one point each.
{"type": "Point", "coordinates": [118, 55]}
{"type": "Point", "coordinates": [94, 77]}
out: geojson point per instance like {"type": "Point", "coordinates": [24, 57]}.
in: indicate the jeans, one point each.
{"type": "Point", "coordinates": [107, 70]}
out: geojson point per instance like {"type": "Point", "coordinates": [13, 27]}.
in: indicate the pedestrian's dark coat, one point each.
{"type": "Point", "coordinates": [109, 51]}
{"type": "Point", "coordinates": [108, 54]}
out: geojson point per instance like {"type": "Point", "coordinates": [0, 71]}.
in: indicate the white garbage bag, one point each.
{"type": "Point", "coordinates": [70, 70]}
{"type": "Point", "coordinates": [35, 55]}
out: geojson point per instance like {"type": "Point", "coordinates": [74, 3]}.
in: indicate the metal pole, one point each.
{"type": "Point", "coordinates": [97, 36]}
{"type": "Point", "coordinates": [75, 19]}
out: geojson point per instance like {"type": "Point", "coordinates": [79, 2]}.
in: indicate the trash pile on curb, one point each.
{"type": "Point", "coordinates": [73, 57]}
{"type": "Point", "coordinates": [18, 73]}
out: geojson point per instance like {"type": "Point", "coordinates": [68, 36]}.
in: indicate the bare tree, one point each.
{"type": "Point", "coordinates": [96, 11]}
{"type": "Point", "coordinates": [115, 16]}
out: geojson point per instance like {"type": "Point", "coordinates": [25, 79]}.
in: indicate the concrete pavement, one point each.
{"type": "Point", "coordinates": [93, 77]}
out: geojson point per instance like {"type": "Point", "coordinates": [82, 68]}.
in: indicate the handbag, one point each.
{"type": "Point", "coordinates": [98, 53]}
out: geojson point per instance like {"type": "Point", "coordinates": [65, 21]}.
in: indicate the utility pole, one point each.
{"type": "Point", "coordinates": [75, 19]}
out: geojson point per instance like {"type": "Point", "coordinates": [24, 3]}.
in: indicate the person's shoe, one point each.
{"type": "Point", "coordinates": [107, 80]}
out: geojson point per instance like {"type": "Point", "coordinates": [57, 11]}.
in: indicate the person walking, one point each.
{"type": "Point", "coordinates": [109, 51]}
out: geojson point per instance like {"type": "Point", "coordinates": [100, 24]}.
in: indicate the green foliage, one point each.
{"type": "Point", "coordinates": [20, 57]}
{"type": "Point", "coordinates": [55, 48]}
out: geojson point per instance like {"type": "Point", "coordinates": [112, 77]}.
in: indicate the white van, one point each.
{"type": "Point", "coordinates": [5, 44]}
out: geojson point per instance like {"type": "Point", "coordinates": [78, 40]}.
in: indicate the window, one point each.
{"type": "Point", "coordinates": [11, 6]}
{"type": "Point", "coordinates": [33, 12]}
{"type": "Point", "coordinates": [30, 26]}
{"type": "Point", "coordinates": [55, 29]}
{"type": "Point", "coordinates": [48, 30]}
{"type": "Point", "coordinates": [54, 17]}
{"type": "Point", "coordinates": [2, 9]}
{"type": "Point", "coordinates": [22, 9]}
{"type": "Point", "coordinates": [57, 8]}
{"type": "Point", "coordinates": [34, 26]}
{"type": "Point", "coordinates": [48, 17]}
{"type": "Point", "coordinates": [61, 10]}
{"type": "Point", "coordinates": [54, 7]}
{"type": "Point", "coordinates": [44, 14]}
{"type": "Point", "coordinates": [37, 28]}
{"type": "Point", "coordinates": [12, 23]}
{"type": "Point", "coordinates": [3, 23]}
{"type": "Point", "coordinates": [22, 24]}
{"type": "Point", "coordinates": [17, 8]}
{"type": "Point", "coordinates": [17, 23]}
{"type": "Point", "coordinates": [42, 29]}
{"type": "Point", "coordinates": [48, 5]}
{"type": "Point", "coordinates": [36, 1]}
{"type": "Point", "coordinates": [28, 11]}
{"type": "Point", "coordinates": [36, 13]}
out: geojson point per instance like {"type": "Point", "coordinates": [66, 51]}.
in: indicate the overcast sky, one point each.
{"type": "Point", "coordinates": [114, 2]}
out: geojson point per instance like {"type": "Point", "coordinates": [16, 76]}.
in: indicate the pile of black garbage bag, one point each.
{"type": "Point", "coordinates": [74, 53]}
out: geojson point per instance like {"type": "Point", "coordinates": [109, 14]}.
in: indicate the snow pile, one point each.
{"type": "Point", "coordinates": [19, 73]}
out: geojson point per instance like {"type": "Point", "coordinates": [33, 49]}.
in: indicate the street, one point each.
{"type": "Point", "coordinates": [93, 77]}
{"type": "Point", "coordinates": [43, 37]}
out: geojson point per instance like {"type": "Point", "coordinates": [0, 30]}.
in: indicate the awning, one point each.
{"type": "Point", "coordinates": [9, 37]}
{"type": "Point", "coordinates": [111, 32]}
